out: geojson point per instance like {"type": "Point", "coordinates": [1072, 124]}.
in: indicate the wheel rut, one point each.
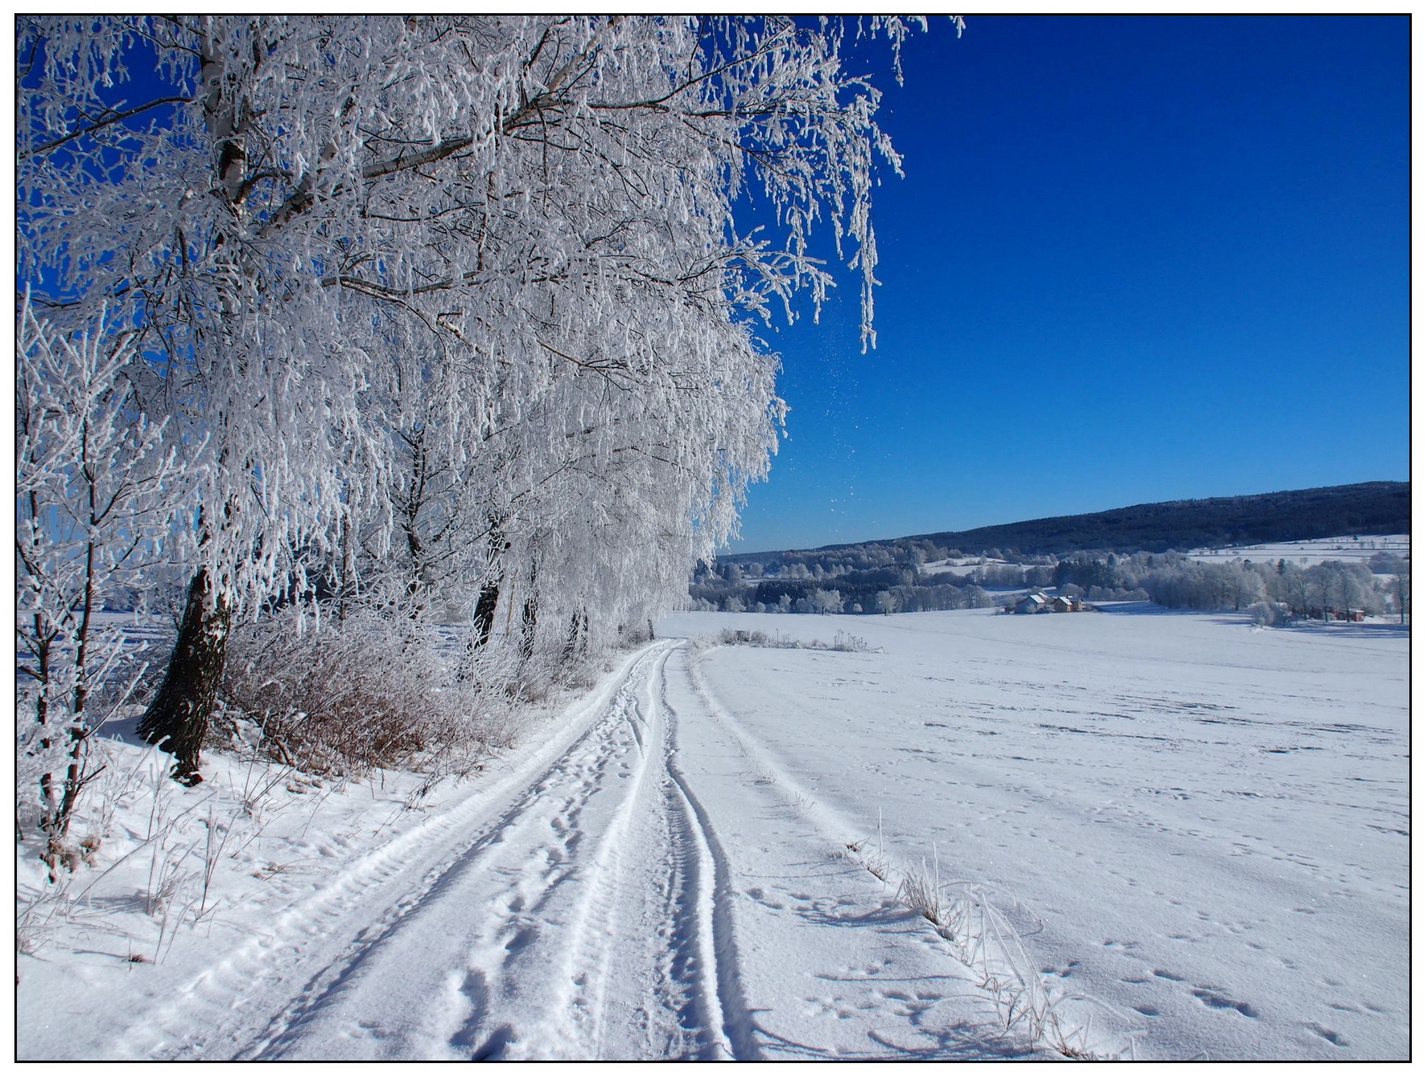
{"type": "Point", "coordinates": [583, 916]}
{"type": "Point", "coordinates": [719, 994]}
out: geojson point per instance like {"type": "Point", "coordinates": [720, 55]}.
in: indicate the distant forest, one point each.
{"type": "Point", "coordinates": [1134, 553]}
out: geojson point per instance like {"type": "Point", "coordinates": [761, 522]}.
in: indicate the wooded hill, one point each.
{"type": "Point", "coordinates": [1374, 508]}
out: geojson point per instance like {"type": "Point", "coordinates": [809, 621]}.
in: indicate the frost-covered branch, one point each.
{"type": "Point", "coordinates": [98, 124]}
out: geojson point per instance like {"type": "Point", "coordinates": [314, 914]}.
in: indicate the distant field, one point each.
{"type": "Point", "coordinates": [1310, 552]}
{"type": "Point", "coordinates": [1299, 552]}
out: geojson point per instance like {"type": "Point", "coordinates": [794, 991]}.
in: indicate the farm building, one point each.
{"type": "Point", "coordinates": [1037, 602]}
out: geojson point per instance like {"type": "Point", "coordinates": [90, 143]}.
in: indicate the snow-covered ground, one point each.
{"type": "Point", "coordinates": [1311, 552]}
{"type": "Point", "coordinates": [964, 564]}
{"type": "Point", "coordinates": [1200, 827]}
{"type": "Point", "coordinates": [1189, 838]}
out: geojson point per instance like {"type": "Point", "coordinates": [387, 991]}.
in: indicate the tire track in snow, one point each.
{"type": "Point", "coordinates": [830, 824]}
{"type": "Point", "coordinates": [588, 918]}
{"type": "Point", "coordinates": [691, 1002]}
{"type": "Point", "coordinates": [724, 1006]}
{"type": "Point", "coordinates": [597, 930]}
{"type": "Point", "coordinates": [542, 833]}
{"type": "Point", "coordinates": [834, 828]}
{"type": "Point", "coordinates": [254, 978]}
{"type": "Point", "coordinates": [581, 907]}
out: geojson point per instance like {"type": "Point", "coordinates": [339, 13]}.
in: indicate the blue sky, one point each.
{"type": "Point", "coordinates": [1132, 259]}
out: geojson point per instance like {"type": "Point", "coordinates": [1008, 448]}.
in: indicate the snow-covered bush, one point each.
{"type": "Point", "coordinates": [1269, 613]}
{"type": "Point", "coordinates": [343, 697]}
{"type": "Point", "coordinates": [842, 642]}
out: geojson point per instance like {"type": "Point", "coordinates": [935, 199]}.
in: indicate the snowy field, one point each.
{"type": "Point", "coordinates": [1162, 835]}
{"type": "Point", "coordinates": [1199, 827]}
{"type": "Point", "coordinates": [1299, 552]}
{"type": "Point", "coordinates": [1311, 552]}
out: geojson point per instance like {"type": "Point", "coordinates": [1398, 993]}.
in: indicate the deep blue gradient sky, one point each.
{"type": "Point", "coordinates": [1132, 259]}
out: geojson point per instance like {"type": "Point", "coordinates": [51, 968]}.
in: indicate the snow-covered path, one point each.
{"type": "Point", "coordinates": [642, 889]}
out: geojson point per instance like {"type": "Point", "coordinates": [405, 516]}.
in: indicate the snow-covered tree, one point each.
{"type": "Point", "coordinates": [1399, 591]}
{"type": "Point", "coordinates": [96, 490]}
{"type": "Point", "coordinates": [460, 302]}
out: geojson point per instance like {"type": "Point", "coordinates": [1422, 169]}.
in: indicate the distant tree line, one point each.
{"type": "Point", "coordinates": [908, 581]}
{"type": "Point", "coordinates": [835, 590]}
{"type": "Point", "coordinates": [1288, 590]}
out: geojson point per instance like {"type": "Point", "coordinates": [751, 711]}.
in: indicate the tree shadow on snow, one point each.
{"type": "Point", "coordinates": [122, 729]}
{"type": "Point", "coordinates": [1372, 631]}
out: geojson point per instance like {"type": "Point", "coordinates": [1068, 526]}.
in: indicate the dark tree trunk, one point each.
{"type": "Point", "coordinates": [487, 603]}
{"type": "Point", "coordinates": [177, 718]}
{"type": "Point", "coordinates": [484, 622]}
{"type": "Point", "coordinates": [571, 643]}
{"type": "Point", "coordinates": [485, 607]}
{"type": "Point", "coordinates": [529, 617]}
{"type": "Point", "coordinates": [489, 599]}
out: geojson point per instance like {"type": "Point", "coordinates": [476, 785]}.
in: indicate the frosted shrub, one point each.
{"type": "Point", "coordinates": [344, 697]}
{"type": "Point", "coordinates": [843, 642]}
{"type": "Point", "coordinates": [744, 637]}
{"type": "Point", "coordinates": [849, 643]}
{"type": "Point", "coordinates": [1269, 613]}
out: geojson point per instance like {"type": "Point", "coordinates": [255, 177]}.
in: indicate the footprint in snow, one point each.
{"type": "Point", "coordinates": [1213, 999]}
{"type": "Point", "coordinates": [759, 896]}
{"type": "Point", "coordinates": [521, 940]}
{"type": "Point", "coordinates": [1333, 1037]}
{"type": "Point", "coordinates": [494, 1047]}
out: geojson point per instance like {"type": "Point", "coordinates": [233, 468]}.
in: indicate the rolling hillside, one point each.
{"type": "Point", "coordinates": [1378, 507]}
